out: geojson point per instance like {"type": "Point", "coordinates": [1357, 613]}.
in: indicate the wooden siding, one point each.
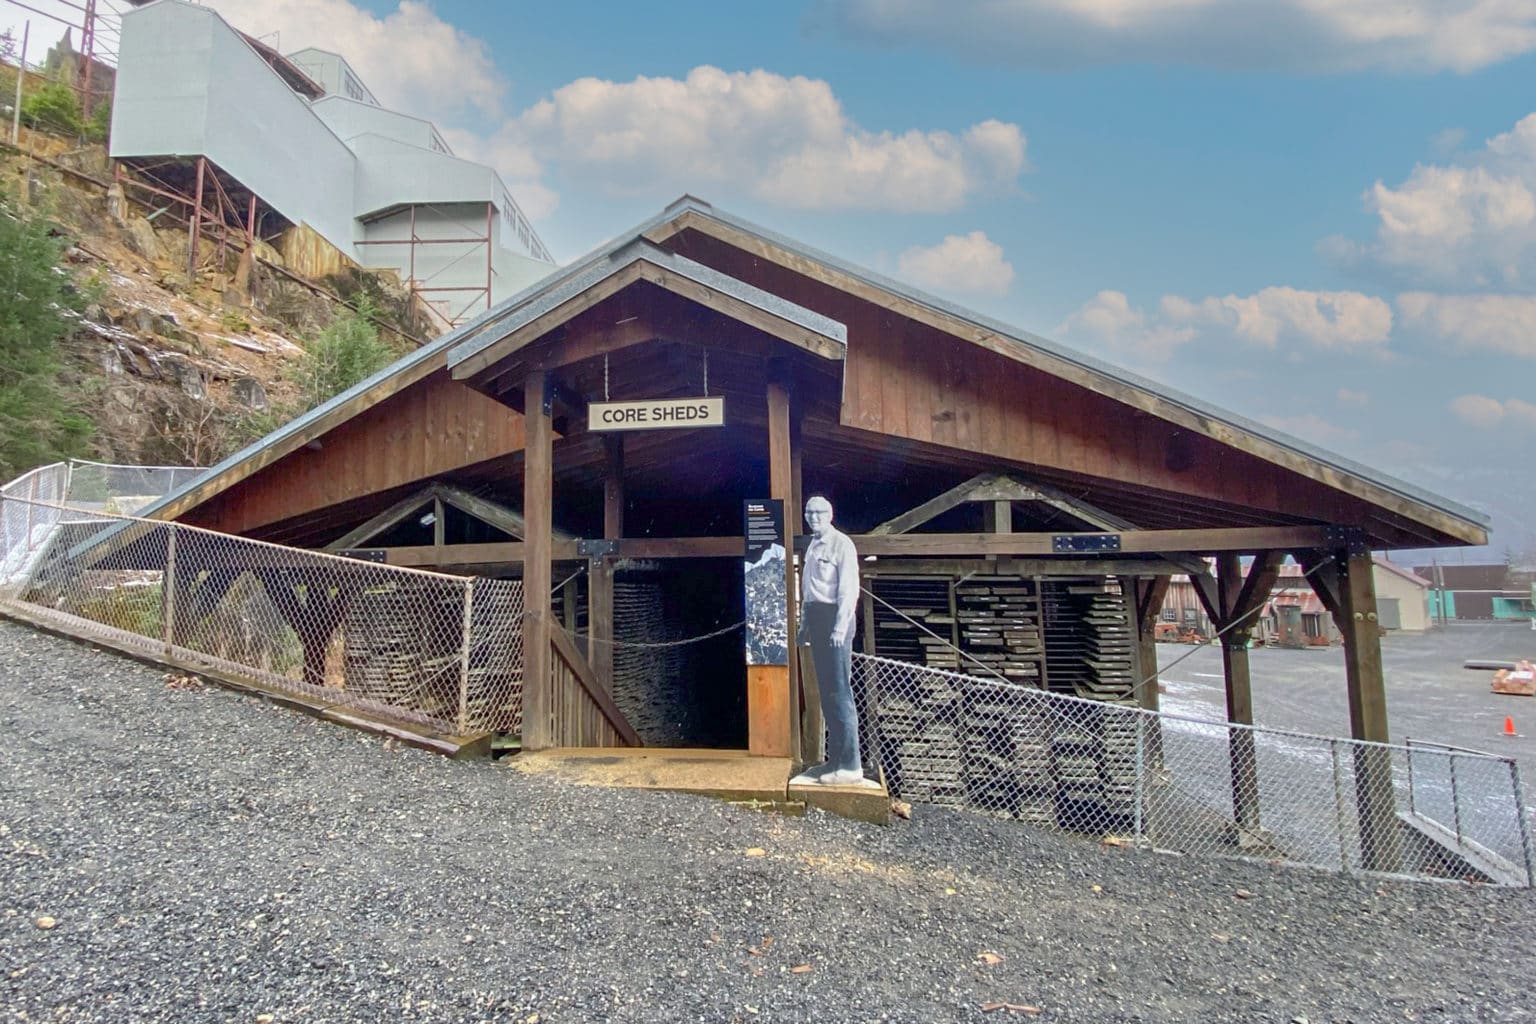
{"type": "Point", "coordinates": [432, 427]}
{"type": "Point", "coordinates": [911, 380]}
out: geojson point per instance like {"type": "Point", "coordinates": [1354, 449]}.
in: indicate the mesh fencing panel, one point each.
{"type": "Point", "coordinates": [420, 648]}
{"type": "Point", "coordinates": [1127, 775]}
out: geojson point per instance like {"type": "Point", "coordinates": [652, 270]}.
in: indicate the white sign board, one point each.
{"type": "Point", "coordinates": [656, 414]}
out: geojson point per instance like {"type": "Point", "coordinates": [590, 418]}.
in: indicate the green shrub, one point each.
{"type": "Point", "coordinates": [53, 107]}
{"type": "Point", "coordinates": [38, 423]}
{"type": "Point", "coordinates": [100, 124]}
{"type": "Point", "coordinates": [347, 351]}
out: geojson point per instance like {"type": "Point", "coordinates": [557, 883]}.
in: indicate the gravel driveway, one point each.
{"type": "Point", "coordinates": [207, 857]}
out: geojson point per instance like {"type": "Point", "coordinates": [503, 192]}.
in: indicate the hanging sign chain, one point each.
{"type": "Point", "coordinates": [605, 376]}
{"type": "Point", "coordinates": [706, 373]}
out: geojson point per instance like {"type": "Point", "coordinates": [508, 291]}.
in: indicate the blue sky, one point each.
{"type": "Point", "coordinates": [1318, 213]}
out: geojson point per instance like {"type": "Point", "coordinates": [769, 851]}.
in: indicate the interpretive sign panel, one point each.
{"type": "Point", "coordinates": [763, 578]}
{"type": "Point", "coordinates": [656, 414]}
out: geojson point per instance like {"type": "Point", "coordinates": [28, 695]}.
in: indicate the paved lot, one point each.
{"type": "Point", "coordinates": [1429, 695]}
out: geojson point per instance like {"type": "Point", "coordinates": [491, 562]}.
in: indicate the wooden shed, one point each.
{"type": "Point", "coordinates": [981, 471]}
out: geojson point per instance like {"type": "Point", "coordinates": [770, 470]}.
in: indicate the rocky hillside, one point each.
{"type": "Point", "coordinates": [170, 370]}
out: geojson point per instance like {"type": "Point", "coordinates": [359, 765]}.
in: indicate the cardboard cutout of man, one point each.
{"type": "Point", "coordinates": [829, 598]}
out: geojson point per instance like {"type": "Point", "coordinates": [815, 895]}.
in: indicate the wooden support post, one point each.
{"type": "Point", "coordinates": [772, 708]}
{"type": "Point", "coordinates": [1380, 840]}
{"type": "Point", "coordinates": [997, 517]}
{"type": "Point", "coordinates": [439, 528]}
{"type": "Point", "coordinates": [1239, 685]}
{"type": "Point", "coordinates": [600, 624]}
{"type": "Point", "coordinates": [1150, 593]}
{"type": "Point", "coordinates": [538, 511]}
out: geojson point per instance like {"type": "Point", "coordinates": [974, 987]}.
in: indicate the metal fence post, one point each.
{"type": "Point", "coordinates": [469, 610]}
{"type": "Point", "coordinates": [1412, 806]}
{"type": "Point", "coordinates": [1525, 824]}
{"type": "Point", "coordinates": [1455, 799]}
{"type": "Point", "coordinates": [1338, 805]}
{"type": "Point", "coordinates": [1141, 774]}
{"type": "Point", "coordinates": [168, 591]}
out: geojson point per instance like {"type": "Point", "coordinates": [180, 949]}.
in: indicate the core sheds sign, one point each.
{"type": "Point", "coordinates": [656, 414]}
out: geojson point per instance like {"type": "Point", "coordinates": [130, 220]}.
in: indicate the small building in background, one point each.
{"type": "Point", "coordinates": [1493, 591]}
{"type": "Point", "coordinates": [1295, 616]}
{"type": "Point", "coordinates": [296, 150]}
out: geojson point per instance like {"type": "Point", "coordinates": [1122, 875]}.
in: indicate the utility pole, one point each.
{"type": "Point", "coordinates": [21, 73]}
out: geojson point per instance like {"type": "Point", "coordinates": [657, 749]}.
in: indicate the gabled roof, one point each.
{"type": "Point", "coordinates": [644, 242]}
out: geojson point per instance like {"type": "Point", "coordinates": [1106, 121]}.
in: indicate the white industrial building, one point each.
{"type": "Point", "coordinates": [207, 110]}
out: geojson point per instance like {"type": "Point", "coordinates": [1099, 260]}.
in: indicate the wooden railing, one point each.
{"type": "Point", "coordinates": [583, 713]}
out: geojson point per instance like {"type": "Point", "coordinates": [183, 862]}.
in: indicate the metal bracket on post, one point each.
{"type": "Point", "coordinates": [1071, 543]}
{"type": "Point", "coordinates": [597, 548]}
{"type": "Point", "coordinates": [1346, 540]}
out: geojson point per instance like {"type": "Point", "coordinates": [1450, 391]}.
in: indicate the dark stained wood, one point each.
{"type": "Point", "coordinates": [566, 651]}
{"type": "Point", "coordinates": [600, 624]}
{"type": "Point", "coordinates": [780, 486]}
{"type": "Point", "coordinates": [1076, 417]}
{"type": "Point", "coordinates": [416, 434]}
{"type": "Point", "coordinates": [1239, 686]}
{"type": "Point", "coordinates": [1133, 542]}
{"type": "Point", "coordinates": [1380, 841]}
{"type": "Point", "coordinates": [539, 718]}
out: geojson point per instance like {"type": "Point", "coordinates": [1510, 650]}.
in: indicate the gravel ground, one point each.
{"type": "Point", "coordinates": [207, 857]}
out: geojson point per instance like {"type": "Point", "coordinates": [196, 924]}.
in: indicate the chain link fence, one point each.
{"type": "Point", "coordinates": [409, 646]}
{"type": "Point", "coordinates": [1159, 781]}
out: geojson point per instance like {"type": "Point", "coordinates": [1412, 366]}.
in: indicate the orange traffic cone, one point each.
{"type": "Point", "coordinates": [1509, 726]}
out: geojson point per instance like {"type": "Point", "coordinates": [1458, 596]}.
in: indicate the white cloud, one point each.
{"type": "Point", "coordinates": [1470, 224]}
{"type": "Point", "coordinates": [1108, 320]}
{"type": "Point", "coordinates": [960, 263]}
{"type": "Point", "coordinates": [411, 59]}
{"type": "Point", "coordinates": [1332, 320]}
{"type": "Point", "coordinates": [1493, 323]}
{"type": "Point", "coordinates": [1344, 396]}
{"type": "Point", "coordinates": [1347, 321]}
{"type": "Point", "coordinates": [784, 140]}
{"type": "Point", "coordinates": [1306, 35]}
{"type": "Point", "coordinates": [1482, 411]}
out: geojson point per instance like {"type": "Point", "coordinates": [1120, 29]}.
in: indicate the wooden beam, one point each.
{"type": "Point", "coordinates": [539, 728]}
{"type": "Point", "coordinates": [391, 517]}
{"type": "Point", "coordinates": [566, 649]}
{"type": "Point", "coordinates": [1208, 595]}
{"type": "Point", "coordinates": [1150, 594]}
{"type": "Point", "coordinates": [936, 506]}
{"type": "Point", "coordinates": [491, 513]}
{"type": "Point", "coordinates": [1249, 538]}
{"type": "Point", "coordinates": [1010, 566]}
{"type": "Point", "coordinates": [795, 334]}
{"type": "Point", "coordinates": [1257, 586]}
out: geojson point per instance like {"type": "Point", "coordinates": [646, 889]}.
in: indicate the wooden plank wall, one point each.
{"type": "Point", "coordinates": [432, 427]}
{"type": "Point", "coordinates": [910, 380]}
